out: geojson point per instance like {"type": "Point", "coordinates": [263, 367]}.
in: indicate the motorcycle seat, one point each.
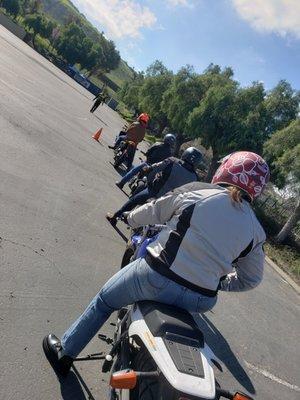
{"type": "Point", "coordinates": [163, 319]}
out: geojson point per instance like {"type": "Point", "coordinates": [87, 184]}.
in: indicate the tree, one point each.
{"type": "Point", "coordinates": [40, 24]}
{"type": "Point", "coordinates": [73, 44]}
{"type": "Point", "coordinates": [282, 105]}
{"type": "Point", "coordinates": [129, 94]}
{"type": "Point", "coordinates": [181, 97]}
{"type": "Point", "coordinates": [11, 6]}
{"type": "Point", "coordinates": [103, 57]}
{"type": "Point", "coordinates": [157, 68]}
{"type": "Point", "coordinates": [151, 94]}
{"type": "Point", "coordinates": [92, 59]}
{"type": "Point", "coordinates": [228, 118]}
{"type": "Point", "coordinates": [282, 151]}
{"type": "Point", "coordinates": [111, 57]}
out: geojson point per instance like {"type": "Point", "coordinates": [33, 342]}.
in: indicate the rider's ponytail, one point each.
{"type": "Point", "coordinates": [236, 194]}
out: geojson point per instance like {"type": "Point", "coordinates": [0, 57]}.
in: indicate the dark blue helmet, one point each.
{"type": "Point", "coordinates": [170, 139]}
{"type": "Point", "coordinates": [192, 156]}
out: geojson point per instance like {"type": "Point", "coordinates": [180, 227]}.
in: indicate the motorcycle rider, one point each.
{"type": "Point", "coordinates": [156, 153]}
{"type": "Point", "coordinates": [135, 134]}
{"type": "Point", "coordinates": [163, 177]}
{"type": "Point", "coordinates": [209, 228]}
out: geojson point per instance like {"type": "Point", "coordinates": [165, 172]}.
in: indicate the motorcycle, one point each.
{"type": "Point", "coordinates": [123, 153]}
{"type": "Point", "coordinates": [158, 351]}
{"type": "Point", "coordinates": [137, 183]}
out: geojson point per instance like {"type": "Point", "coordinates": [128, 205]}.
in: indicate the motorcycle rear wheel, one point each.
{"type": "Point", "coordinates": [119, 160]}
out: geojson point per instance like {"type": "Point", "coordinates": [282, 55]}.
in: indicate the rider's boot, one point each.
{"type": "Point", "coordinates": [111, 219]}
{"type": "Point", "coordinates": [52, 349]}
{"type": "Point", "coordinates": [120, 185]}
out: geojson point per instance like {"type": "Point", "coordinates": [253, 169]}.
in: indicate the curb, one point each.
{"type": "Point", "coordinates": [283, 274]}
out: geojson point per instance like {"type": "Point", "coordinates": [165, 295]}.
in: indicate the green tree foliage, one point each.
{"type": "Point", "coordinates": [73, 45]}
{"type": "Point", "coordinates": [102, 58]}
{"type": "Point", "coordinates": [282, 151]}
{"type": "Point", "coordinates": [181, 97]}
{"type": "Point", "coordinates": [11, 6]}
{"type": "Point", "coordinates": [282, 105]}
{"type": "Point", "coordinates": [40, 24]}
{"type": "Point", "coordinates": [213, 107]}
{"type": "Point", "coordinates": [129, 94]}
{"type": "Point", "coordinates": [111, 57]}
{"type": "Point", "coordinates": [228, 118]}
{"type": "Point", "coordinates": [155, 84]}
{"type": "Point", "coordinates": [157, 68]}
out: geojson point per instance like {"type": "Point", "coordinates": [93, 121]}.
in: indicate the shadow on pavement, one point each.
{"type": "Point", "coordinates": [119, 170]}
{"type": "Point", "coordinates": [222, 350]}
{"type": "Point", "coordinates": [72, 387]}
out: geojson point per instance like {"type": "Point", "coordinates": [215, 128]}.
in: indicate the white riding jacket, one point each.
{"type": "Point", "coordinates": [205, 237]}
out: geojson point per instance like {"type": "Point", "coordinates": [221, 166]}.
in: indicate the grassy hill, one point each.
{"type": "Point", "coordinates": [63, 11]}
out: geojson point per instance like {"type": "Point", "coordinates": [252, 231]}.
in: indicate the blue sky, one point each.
{"type": "Point", "coordinates": [259, 39]}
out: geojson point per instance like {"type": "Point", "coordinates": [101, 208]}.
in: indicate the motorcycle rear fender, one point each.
{"type": "Point", "coordinates": [203, 388]}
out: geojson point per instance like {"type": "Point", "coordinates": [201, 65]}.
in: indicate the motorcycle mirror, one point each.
{"type": "Point", "coordinates": [125, 379]}
{"type": "Point", "coordinates": [241, 396]}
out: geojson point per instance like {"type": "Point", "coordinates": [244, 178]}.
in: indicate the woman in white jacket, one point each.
{"type": "Point", "coordinates": [209, 228]}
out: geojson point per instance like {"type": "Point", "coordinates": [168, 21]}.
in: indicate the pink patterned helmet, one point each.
{"type": "Point", "coordinates": [245, 170]}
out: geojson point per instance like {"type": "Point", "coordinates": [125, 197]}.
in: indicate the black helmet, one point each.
{"type": "Point", "coordinates": [192, 156]}
{"type": "Point", "coordinates": [170, 139]}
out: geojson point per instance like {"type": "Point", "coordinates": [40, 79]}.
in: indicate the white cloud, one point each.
{"type": "Point", "coordinates": [278, 16]}
{"type": "Point", "coordinates": [183, 3]}
{"type": "Point", "coordinates": [178, 2]}
{"type": "Point", "coordinates": [120, 18]}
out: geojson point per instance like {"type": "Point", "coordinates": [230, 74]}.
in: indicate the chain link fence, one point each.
{"type": "Point", "coordinates": [278, 210]}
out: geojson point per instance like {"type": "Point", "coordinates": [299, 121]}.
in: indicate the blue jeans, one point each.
{"type": "Point", "coordinates": [134, 171]}
{"type": "Point", "coordinates": [137, 281]}
{"type": "Point", "coordinates": [139, 198]}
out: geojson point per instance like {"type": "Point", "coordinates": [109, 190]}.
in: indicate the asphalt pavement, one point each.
{"type": "Point", "coordinates": [57, 249]}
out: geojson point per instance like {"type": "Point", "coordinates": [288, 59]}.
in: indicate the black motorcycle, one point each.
{"type": "Point", "coordinates": [124, 153]}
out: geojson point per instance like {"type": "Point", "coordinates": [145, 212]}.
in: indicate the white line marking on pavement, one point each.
{"type": "Point", "coordinates": [272, 377]}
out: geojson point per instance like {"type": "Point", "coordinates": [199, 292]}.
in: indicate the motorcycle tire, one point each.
{"type": "Point", "coordinates": [119, 160]}
{"type": "Point", "coordinates": [150, 388]}
{"type": "Point", "coordinates": [129, 252]}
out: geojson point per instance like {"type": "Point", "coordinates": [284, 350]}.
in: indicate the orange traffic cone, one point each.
{"type": "Point", "coordinates": [97, 135]}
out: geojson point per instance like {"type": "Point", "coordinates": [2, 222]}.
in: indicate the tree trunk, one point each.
{"type": "Point", "coordinates": [212, 167]}
{"type": "Point", "coordinates": [289, 225]}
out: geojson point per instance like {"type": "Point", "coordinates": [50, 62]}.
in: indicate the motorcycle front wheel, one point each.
{"type": "Point", "coordinates": [127, 257]}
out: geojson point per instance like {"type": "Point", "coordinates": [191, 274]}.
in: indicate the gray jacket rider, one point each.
{"type": "Point", "coordinates": [205, 237]}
